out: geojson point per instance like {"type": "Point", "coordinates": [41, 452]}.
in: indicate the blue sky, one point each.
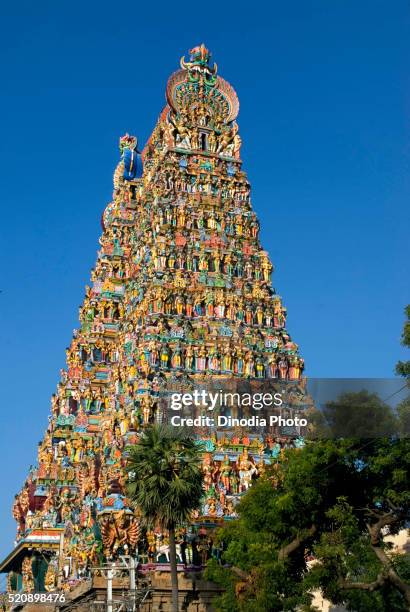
{"type": "Point", "coordinates": [324, 93]}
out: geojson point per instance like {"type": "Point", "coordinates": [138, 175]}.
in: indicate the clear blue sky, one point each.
{"type": "Point", "coordinates": [324, 92]}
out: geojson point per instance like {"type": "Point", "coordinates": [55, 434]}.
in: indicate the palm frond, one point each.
{"type": "Point", "coordinates": [165, 475]}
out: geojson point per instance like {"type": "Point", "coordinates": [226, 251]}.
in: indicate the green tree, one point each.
{"type": "Point", "coordinates": [403, 413]}
{"type": "Point", "coordinates": [360, 415]}
{"type": "Point", "coordinates": [335, 500]}
{"type": "Point", "coordinates": [403, 367]}
{"type": "Point", "coordinates": [165, 483]}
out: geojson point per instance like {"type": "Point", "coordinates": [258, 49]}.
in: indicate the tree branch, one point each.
{"type": "Point", "coordinates": [376, 539]}
{"type": "Point", "coordinates": [389, 576]}
{"type": "Point", "coordinates": [388, 573]}
{"type": "Point", "coordinates": [283, 553]}
{"type": "Point", "coordinates": [364, 586]}
{"type": "Point", "coordinates": [290, 548]}
{"type": "Point", "coordinates": [240, 573]}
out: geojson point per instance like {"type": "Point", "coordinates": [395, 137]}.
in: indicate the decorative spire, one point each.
{"type": "Point", "coordinates": [198, 56]}
{"type": "Point", "coordinates": [198, 81]}
{"type": "Point", "coordinates": [132, 166]}
{"type": "Point", "coordinates": [128, 142]}
{"type": "Point", "coordinates": [199, 65]}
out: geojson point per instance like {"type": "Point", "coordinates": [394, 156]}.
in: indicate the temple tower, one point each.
{"type": "Point", "coordinates": [181, 292]}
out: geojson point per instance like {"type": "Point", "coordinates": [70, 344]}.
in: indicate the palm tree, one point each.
{"type": "Point", "coordinates": [165, 483]}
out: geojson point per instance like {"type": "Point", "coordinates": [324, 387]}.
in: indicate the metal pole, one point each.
{"type": "Point", "coordinates": [132, 581]}
{"type": "Point", "coordinates": [110, 574]}
{"type": "Point", "coordinates": [132, 573]}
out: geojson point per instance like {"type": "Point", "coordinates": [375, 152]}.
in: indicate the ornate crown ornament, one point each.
{"type": "Point", "coordinates": [199, 65]}
{"type": "Point", "coordinates": [128, 142]}
{"type": "Point", "coordinates": [198, 81]}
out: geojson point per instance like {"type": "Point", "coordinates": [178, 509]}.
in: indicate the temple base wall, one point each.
{"type": "Point", "coordinates": [195, 595]}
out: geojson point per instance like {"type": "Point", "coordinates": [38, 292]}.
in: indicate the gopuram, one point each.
{"type": "Point", "coordinates": [181, 293]}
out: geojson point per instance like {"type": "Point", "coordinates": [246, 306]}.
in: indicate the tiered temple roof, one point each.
{"type": "Point", "coordinates": [181, 293]}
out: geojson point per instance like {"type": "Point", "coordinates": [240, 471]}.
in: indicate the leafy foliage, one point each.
{"type": "Point", "coordinates": [403, 413]}
{"type": "Point", "coordinates": [330, 499]}
{"type": "Point", "coordinates": [361, 415]}
{"type": "Point", "coordinates": [165, 476]}
{"type": "Point", "coordinates": [403, 367]}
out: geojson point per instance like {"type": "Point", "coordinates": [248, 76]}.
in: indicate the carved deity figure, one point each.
{"type": "Point", "coordinates": [246, 470]}
{"type": "Point", "coordinates": [27, 573]}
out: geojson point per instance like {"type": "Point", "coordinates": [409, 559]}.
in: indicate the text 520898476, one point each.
{"type": "Point", "coordinates": [36, 598]}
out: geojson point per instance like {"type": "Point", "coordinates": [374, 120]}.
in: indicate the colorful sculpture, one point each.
{"type": "Point", "coordinates": [181, 290]}
{"type": "Point", "coordinates": [131, 159]}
